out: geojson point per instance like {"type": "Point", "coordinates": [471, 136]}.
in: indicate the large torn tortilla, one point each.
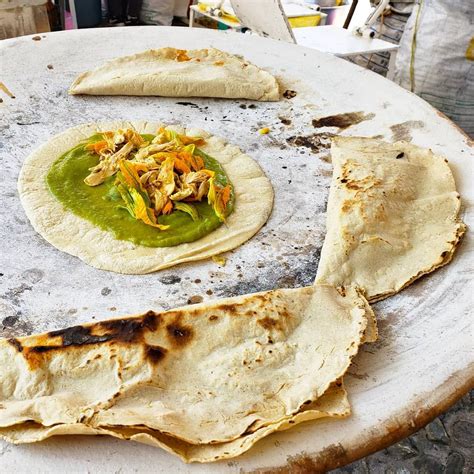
{"type": "Point", "coordinates": [252, 363]}
{"type": "Point", "coordinates": [174, 73]}
{"type": "Point", "coordinates": [333, 404]}
{"type": "Point", "coordinates": [392, 216]}
{"type": "Point", "coordinates": [79, 237]}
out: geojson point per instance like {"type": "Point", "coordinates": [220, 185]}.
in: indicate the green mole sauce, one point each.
{"type": "Point", "coordinates": [101, 204]}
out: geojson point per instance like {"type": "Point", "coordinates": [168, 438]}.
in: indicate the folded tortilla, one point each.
{"type": "Point", "coordinates": [174, 72]}
{"type": "Point", "coordinates": [80, 237]}
{"type": "Point", "coordinates": [333, 404]}
{"type": "Point", "coordinates": [207, 374]}
{"type": "Point", "coordinates": [392, 216]}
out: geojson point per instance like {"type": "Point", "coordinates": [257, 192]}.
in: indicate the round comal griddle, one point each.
{"type": "Point", "coordinates": [423, 360]}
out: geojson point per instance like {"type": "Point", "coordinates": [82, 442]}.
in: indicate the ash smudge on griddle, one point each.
{"type": "Point", "coordinates": [315, 142]}
{"type": "Point", "coordinates": [170, 280]}
{"type": "Point", "coordinates": [402, 131]}
{"type": "Point", "coordinates": [14, 295]}
{"type": "Point", "coordinates": [254, 285]}
{"type": "Point", "coordinates": [15, 326]}
{"type": "Point", "coordinates": [301, 272]}
{"type": "Point", "coordinates": [193, 106]}
{"type": "Point", "coordinates": [33, 275]}
{"type": "Point", "coordinates": [342, 121]}
{"type": "Point", "coordinates": [190, 104]}
{"type": "Point", "coordinates": [289, 94]}
{"type": "Point", "coordinates": [195, 299]}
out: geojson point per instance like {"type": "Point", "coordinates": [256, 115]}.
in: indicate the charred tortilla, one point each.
{"type": "Point", "coordinates": [271, 358]}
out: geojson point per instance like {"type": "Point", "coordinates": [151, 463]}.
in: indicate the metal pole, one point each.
{"type": "Point", "coordinates": [350, 14]}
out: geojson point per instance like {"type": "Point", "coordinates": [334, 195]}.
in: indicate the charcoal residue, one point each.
{"type": "Point", "coordinates": [14, 295]}
{"type": "Point", "coordinates": [289, 94]}
{"type": "Point", "coordinates": [195, 299]}
{"type": "Point", "coordinates": [10, 321]}
{"type": "Point", "coordinates": [342, 121]}
{"type": "Point", "coordinates": [315, 142]}
{"type": "Point", "coordinates": [170, 280]}
{"type": "Point", "coordinates": [402, 131]}
{"type": "Point", "coordinates": [253, 285]}
{"type": "Point", "coordinates": [189, 104]}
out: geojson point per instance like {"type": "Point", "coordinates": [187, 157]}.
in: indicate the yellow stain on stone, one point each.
{"type": "Point", "coordinates": [470, 50]}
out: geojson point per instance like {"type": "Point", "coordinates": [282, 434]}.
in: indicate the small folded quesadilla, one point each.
{"type": "Point", "coordinates": [174, 72]}
{"type": "Point", "coordinates": [252, 365]}
{"type": "Point", "coordinates": [392, 216]}
{"type": "Point", "coordinates": [146, 196]}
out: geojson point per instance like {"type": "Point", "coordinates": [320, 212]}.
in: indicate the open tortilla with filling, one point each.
{"type": "Point", "coordinates": [179, 73]}
{"type": "Point", "coordinates": [254, 364]}
{"type": "Point", "coordinates": [392, 216]}
{"type": "Point", "coordinates": [193, 230]}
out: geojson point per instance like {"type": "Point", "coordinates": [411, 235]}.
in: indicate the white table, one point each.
{"type": "Point", "coordinates": [343, 43]}
{"type": "Point", "coordinates": [423, 360]}
{"type": "Point", "coordinates": [339, 41]}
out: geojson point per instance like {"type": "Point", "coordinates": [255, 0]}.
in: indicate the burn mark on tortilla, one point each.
{"type": "Point", "coordinates": [73, 336]}
{"type": "Point", "coordinates": [315, 142]}
{"type": "Point", "coordinates": [289, 94]}
{"type": "Point", "coordinates": [342, 121]}
{"type": "Point", "coordinates": [154, 353]}
{"type": "Point", "coordinates": [400, 155]}
{"type": "Point", "coordinates": [128, 330]}
{"type": "Point", "coordinates": [213, 317]}
{"type": "Point", "coordinates": [251, 428]}
{"type": "Point", "coordinates": [229, 308]}
{"type": "Point", "coordinates": [285, 121]}
{"type": "Point", "coordinates": [36, 38]}
{"type": "Point", "coordinates": [269, 323]}
{"type": "Point", "coordinates": [16, 344]}
{"type": "Point", "coordinates": [178, 334]}
{"type": "Point", "coordinates": [117, 330]}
